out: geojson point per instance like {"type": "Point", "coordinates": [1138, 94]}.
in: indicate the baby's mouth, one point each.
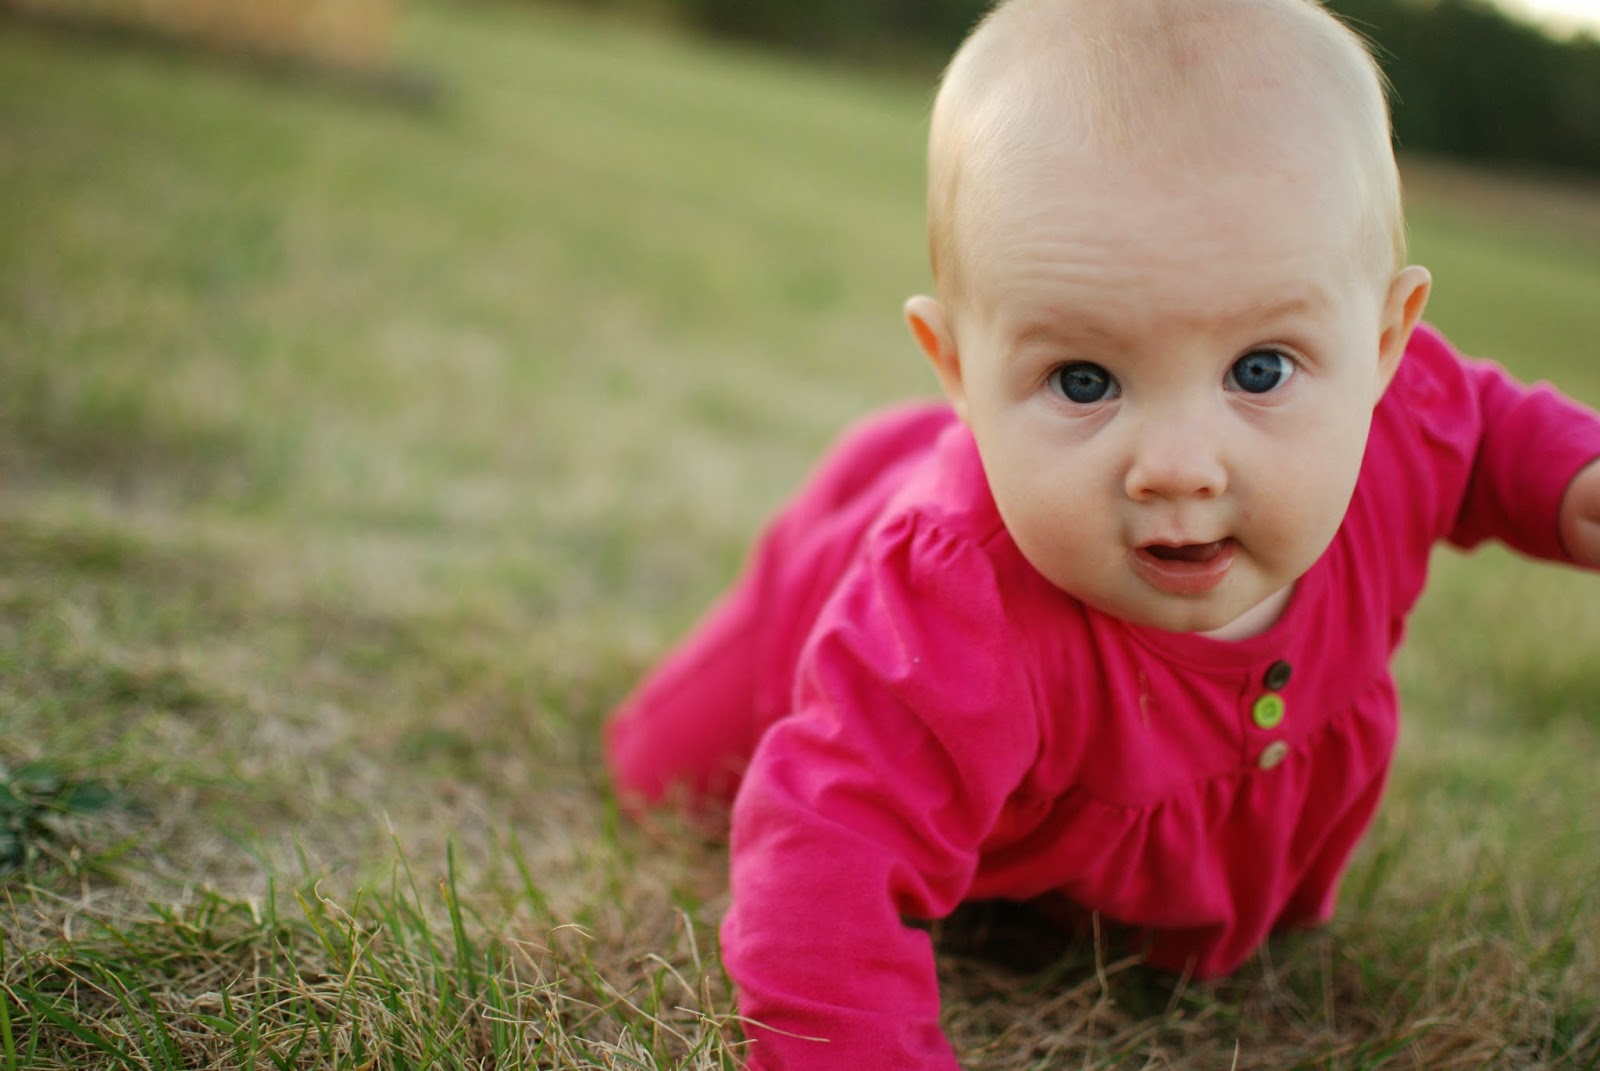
{"type": "Point", "coordinates": [1187, 552]}
{"type": "Point", "coordinates": [1185, 568]}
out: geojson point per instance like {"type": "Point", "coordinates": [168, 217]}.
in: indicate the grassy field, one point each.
{"type": "Point", "coordinates": [355, 459]}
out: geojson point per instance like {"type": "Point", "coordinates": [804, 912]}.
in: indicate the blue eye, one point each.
{"type": "Point", "coordinates": [1084, 383]}
{"type": "Point", "coordinates": [1260, 371]}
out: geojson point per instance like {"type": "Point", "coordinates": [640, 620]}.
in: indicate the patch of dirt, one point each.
{"type": "Point", "coordinates": [1568, 206]}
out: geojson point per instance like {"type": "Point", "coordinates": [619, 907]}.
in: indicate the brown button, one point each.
{"type": "Point", "coordinates": [1272, 754]}
{"type": "Point", "coordinates": [1277, 676]}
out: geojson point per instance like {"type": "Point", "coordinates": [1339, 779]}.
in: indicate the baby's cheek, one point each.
{"type": "Point", "coordinates": [1305, 517]}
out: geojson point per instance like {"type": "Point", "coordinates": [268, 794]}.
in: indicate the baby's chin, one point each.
{"type": "Point", "coordinates": [1252, 621]}
{"type": "Point", "coordinates": [1214, 618]}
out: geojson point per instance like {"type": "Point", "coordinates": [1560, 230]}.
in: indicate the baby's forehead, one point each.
{"type": "Point", "coordinates": [1171, 85]}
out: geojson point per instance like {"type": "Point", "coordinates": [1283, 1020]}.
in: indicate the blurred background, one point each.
{"type": "Point", "coordinates": [1472, 78]}
{"type": "Point", "coordinates": [1514, 81]}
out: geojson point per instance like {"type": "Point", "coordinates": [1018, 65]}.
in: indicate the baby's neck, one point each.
{"type": "Point", "coordinates": [1256, 620]}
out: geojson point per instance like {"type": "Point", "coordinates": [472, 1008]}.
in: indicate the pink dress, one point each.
{"type": "Point", "coordinates": [911, 716]}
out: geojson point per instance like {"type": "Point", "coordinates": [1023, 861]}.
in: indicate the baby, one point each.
{"type": "Point", "coordinates": [1110, 627]}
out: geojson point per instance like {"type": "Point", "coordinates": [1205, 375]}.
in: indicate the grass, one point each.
{"type": "Point", "coordinates": [354, 461]}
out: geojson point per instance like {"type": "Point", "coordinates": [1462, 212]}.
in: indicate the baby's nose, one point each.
{"type": "Point", "coordinates": [1175, 460]}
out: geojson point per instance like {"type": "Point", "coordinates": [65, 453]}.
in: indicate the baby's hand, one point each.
{"type": "Point", "coordinates": [1580, 516]}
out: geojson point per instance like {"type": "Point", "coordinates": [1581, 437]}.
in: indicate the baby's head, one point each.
{"type": "Point", "coordinates": [1166, 239]}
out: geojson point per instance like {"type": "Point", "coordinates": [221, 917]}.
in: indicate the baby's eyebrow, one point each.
{"type": "Point", "coordinates": [1061, 328]}
{"type": "Point", "coordinates": [1311, 299]}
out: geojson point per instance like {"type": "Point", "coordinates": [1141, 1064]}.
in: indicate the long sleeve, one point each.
{"type": "Point", "coordinates": [868, 805]}
{"type": "Point", "coordinates": [1531, 442]}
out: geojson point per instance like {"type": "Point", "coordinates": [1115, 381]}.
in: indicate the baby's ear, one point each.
{"type": "Point", "coordinates": [1402, 309]}
{"type": "Point", "coordinates": [929, 326]}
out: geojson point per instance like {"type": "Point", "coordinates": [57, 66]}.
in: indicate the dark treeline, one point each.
{"type": "Point", "coordinates": [1469, 81]}
{"type": "Point", "coordinates": [1473, 83]}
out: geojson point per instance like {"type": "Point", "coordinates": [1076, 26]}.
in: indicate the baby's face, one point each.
{"type": "Point", "coordinates": [1170, 375]}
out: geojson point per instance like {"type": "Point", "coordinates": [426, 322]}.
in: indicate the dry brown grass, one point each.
{"type": "Point", "coordinates": [359, 34]}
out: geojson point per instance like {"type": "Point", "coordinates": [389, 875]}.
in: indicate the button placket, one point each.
{"type": "Point", "coordinates": [1268, 711]}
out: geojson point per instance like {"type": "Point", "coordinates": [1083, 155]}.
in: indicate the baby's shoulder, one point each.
{"type": "Point", "coordinates": [1431, 385]}
{"type": "Point", "coordinates": [942, 528]}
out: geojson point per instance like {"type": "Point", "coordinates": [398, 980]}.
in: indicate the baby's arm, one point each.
{"type": "Point", "coordinates": [825, 867]}
{"type": "Point", "coordinates": [867, 806]}
{"type": "Point", "coordinates": [1514, 462]}
{"type": "Point", "coordinates": [1580, 517]}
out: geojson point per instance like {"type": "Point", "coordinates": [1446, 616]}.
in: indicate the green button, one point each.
{"type": "Point", "coordinates": [1268, 712]}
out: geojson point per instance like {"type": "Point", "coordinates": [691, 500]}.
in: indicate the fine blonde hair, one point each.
{"type": "Point", "coordinates": [1131, 79]}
